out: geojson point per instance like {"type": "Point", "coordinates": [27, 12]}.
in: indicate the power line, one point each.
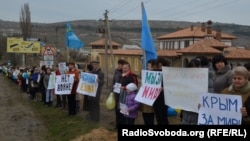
{"type": "Point", "coordinates": [175, 7]}
{"type": "Point", "coordinates": [118, 6]}
{"type": "Point", "coordinates": [131, 9]}
{"type": "Point", "coordinates": [185, 10]}
{"type": "Point", "coordinates": [208, 9]}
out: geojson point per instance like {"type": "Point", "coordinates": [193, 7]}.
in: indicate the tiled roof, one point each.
{"type": "Point", "coordinates": [168, 53]}
{"type": "Point", "coordinates": [236, 53]}
{"type": "Point", "coordinates": [196, 32]}
{"type": "Point", "coordinates": [101, 42]}
{"type": "Point", "coordinates": [123, 51]}
{"type": "Point", "coordinates": [204, 46]}
{"type": "Point", "coordinates": [212, 42]}
{"type": "Point", "coordinates": [165, 53]}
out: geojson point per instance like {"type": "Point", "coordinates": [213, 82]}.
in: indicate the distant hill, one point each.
{"type": "Point", "coordinates": [122, 31]}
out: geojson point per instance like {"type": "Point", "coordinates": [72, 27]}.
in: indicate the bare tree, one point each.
{"type": "Point", "coordinates": [26, 26]}
{"type": "Point", "coordinates": [25, 21]}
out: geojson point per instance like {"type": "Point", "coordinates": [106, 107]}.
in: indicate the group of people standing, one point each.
{"type": "Point", "coordinates": [37, 79]}
{"type": "Point", "coordinates": [129, 87]}
{"type": "Point", "coordinates": [91, 104]}
{"type": "Point", "coordinates": [222, 79]}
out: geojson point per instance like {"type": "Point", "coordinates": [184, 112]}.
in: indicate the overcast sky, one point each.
{"type": "Point", "coordinates": [50, 11]}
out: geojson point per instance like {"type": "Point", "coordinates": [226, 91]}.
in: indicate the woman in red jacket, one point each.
{"type": "Point", "coordinates": [72, 96]}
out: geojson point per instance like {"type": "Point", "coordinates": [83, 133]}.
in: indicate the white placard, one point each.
{"type": "Point", "coordinates": [151, 87]}
{"type": "Point", "coordinates": [220, 109]}
{"type": "Point", "coordinates": [64, 84]}
{"type": "Point", "coordinates": [183, 87]}
{"type": "Point", "coordinates": [88, 84]}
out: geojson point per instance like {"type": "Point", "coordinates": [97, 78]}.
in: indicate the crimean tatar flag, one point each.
{"type": "Point", "coordinates": [147, 43]}
{"type": "Point", "coordinates": [72, 41]}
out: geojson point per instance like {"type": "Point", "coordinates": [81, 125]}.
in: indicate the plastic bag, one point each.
{"type": "Point", "coordinates": [171, 112]}
{"type": "Point", "coordinates": [110, 102]}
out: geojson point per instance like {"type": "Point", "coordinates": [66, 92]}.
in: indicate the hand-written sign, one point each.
{"type": "Point", "coordinates": [117, 88]}
{"type": "Point", "coordinates": [183, 86]}
{"type": "Point", "coordinates": [88, 84]}
{"type": "Point", "coordinates": [64, 84]}
{"type": "Point", "coordinates": [220, 109]}
{"type": "Point", "coordinates": [62, 67]}
{"type": "Point", "coordinates": [151, 87]}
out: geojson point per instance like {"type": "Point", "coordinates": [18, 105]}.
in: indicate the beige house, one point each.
{"type": "Point", "coordinates": [133, 56]}
{"type": "Point", "coordinates": [100, 44]}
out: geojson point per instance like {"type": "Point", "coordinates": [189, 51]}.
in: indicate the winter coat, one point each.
{"type": "Point", "coordinates": [245, 94]}
{"type": "Point", "coordinates": [49, 81]}
{"type": "Point", "coordinates": [222, 79]}
{"type": "Point", "coordinates": [76, 79]}
{"type": "Point", "coordinates": [130, 77]}
{"type": "Point", "coordinates": [132, 105]}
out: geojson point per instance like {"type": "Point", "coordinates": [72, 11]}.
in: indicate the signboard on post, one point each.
{"type": "Point", "coordinates": [48, 51]}
{"type": "Point", "coordinates": [18, 45]}
{"type": "Point", "coordinates": [48, 55]}
{"type": "Point", "coordinates": [47, 63]}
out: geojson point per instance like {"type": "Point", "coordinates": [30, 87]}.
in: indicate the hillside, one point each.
{"type": "Point", "coordinates": [122, 31]}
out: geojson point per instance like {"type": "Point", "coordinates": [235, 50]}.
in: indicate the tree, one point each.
{"type": "Point", "coordinates": [25, 21]}
{"type": "Point", "coordinates": [26, 26]}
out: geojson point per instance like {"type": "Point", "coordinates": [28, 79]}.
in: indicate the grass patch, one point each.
{"type": "Point", "coordinates": [61, 127]}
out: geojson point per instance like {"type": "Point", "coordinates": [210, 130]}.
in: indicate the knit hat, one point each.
{"type": "Point", "coordinates": [71, 63]}
{"type": "Point", "coordinates": [131, 87]}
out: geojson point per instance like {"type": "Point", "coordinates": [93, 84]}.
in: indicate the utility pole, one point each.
{"type": "Point", "coordinates": [56, 44]}
{"type": "Point", "coordinates": [108, 42]}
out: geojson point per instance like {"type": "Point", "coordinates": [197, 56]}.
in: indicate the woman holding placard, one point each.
{"type": "Point", "coordinates": [148, 111]}
{"type": "Point", "coordinates": [241, 86]}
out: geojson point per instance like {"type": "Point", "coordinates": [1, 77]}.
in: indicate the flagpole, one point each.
{"type": "Point", "coordinates": [67, 51]}
{"type": "Point", "coordinates": [144, 53]}
{"type": "Point", "coordinates": [144, 61]}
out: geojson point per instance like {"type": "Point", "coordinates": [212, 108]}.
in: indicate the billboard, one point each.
{"type": "Point", "coordinates": [18, 45]}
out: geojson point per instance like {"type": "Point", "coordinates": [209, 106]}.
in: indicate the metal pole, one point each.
{"type": "Point", "coordinates": [106, 52]}
{"type": "Point", "coordinates": [67, 54]}
{"type": "Point", "coordinates": [110, 41]}
{"type": "Point", "coordinates": [23, 60]}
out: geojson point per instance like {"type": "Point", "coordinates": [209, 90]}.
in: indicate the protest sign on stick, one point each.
{"type": "Point", "coordinates": [88, 84]}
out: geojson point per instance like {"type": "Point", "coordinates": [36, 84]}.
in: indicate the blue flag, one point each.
{"type": "Point", "coordinates": [147, 43]}
{"type": "Point", "coordinates": [72, 41]}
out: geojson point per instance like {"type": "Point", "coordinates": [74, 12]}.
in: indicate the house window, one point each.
{"type": "Point", "coordinates": [186, 43]}
{"type": "Point", "coordinates": [172, 45]}
{"type": "Point", "coordinates": [168, 45]}
{"type": "Point", "coordinates": [136, 64]}
{"type": "Point", "coordinates": [179, 44]}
